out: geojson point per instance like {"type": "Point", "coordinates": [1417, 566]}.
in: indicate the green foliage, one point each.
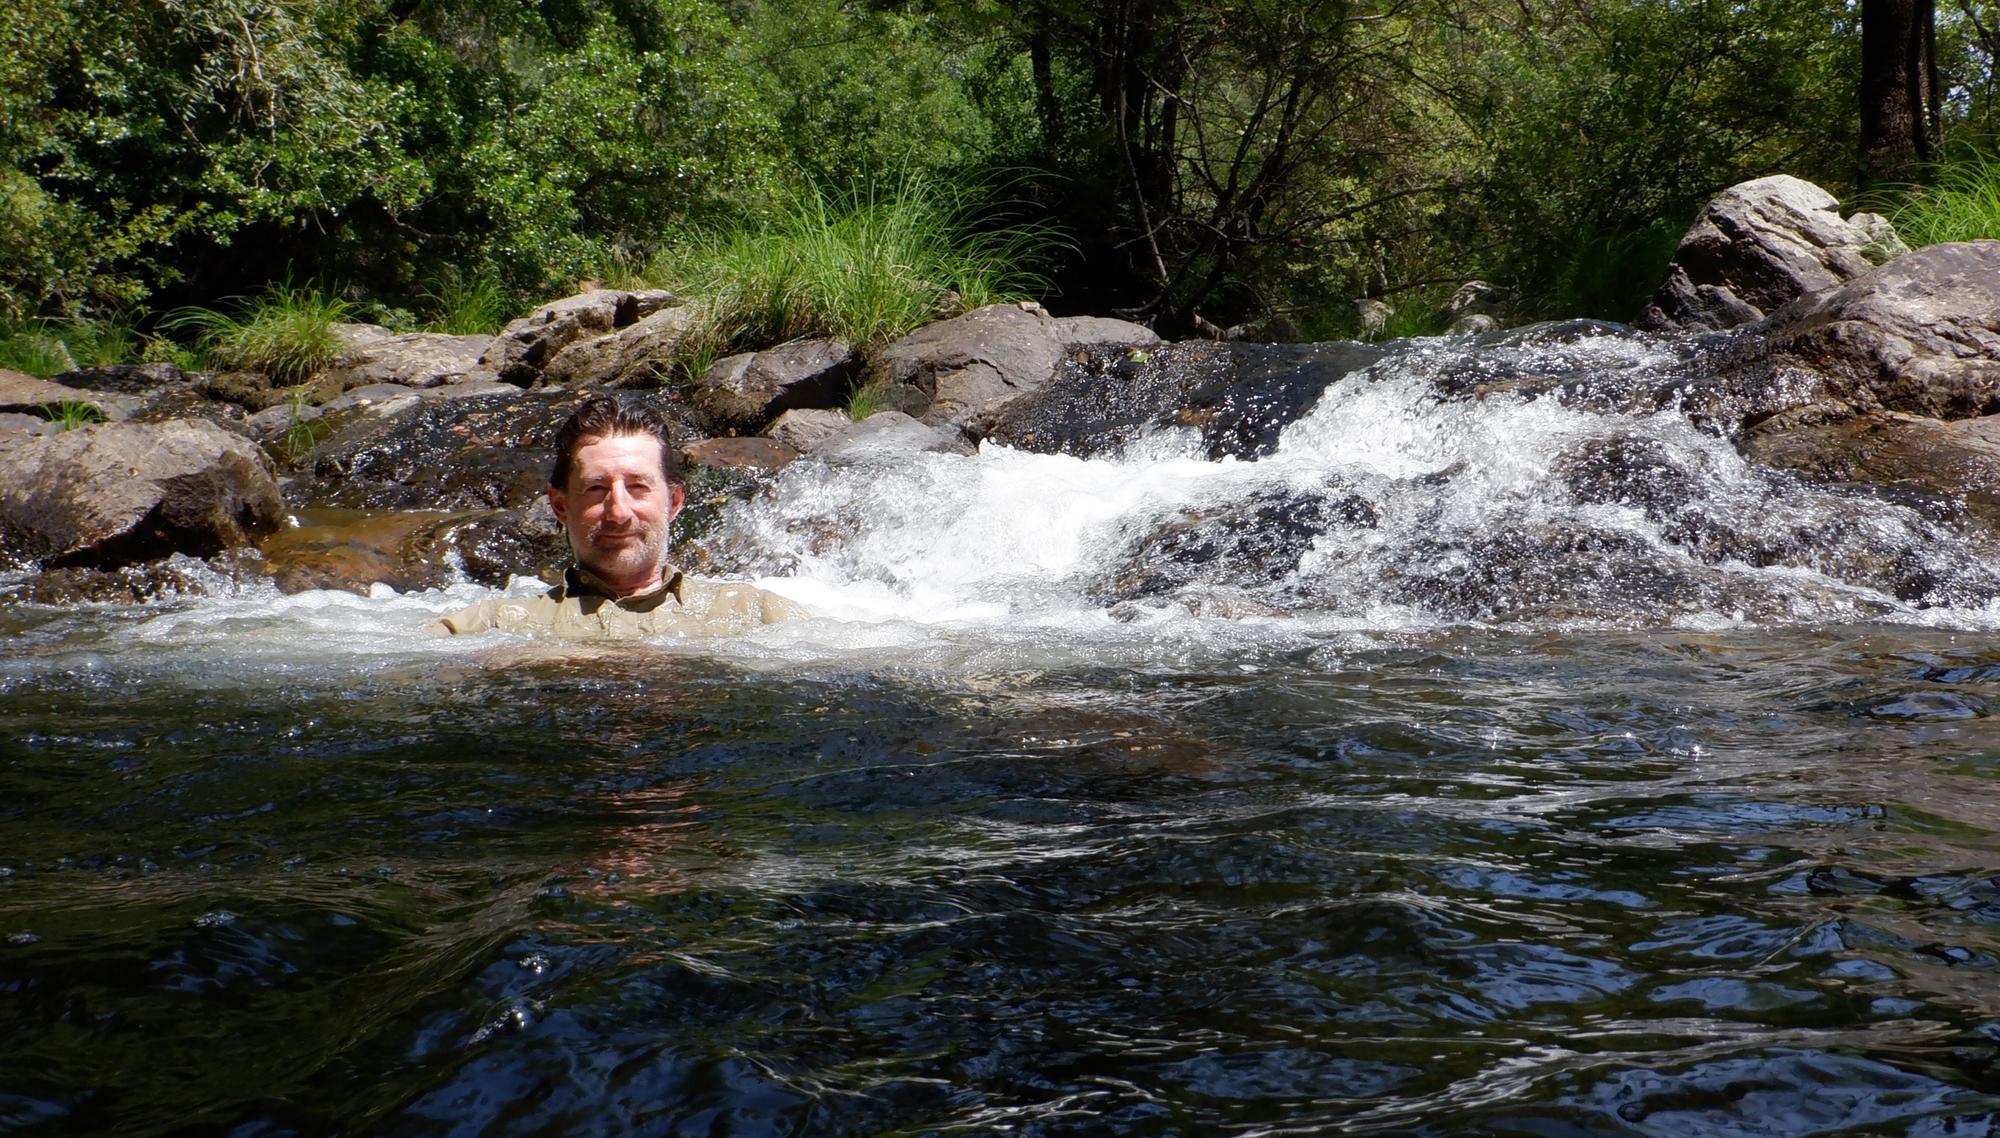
{"type": "Point", "coordinates": [48, 348]}
{"type": "Point", "coordinates": [286, 333]}
{"type": "Point", "coordinates": [302, 433]}
{"type": "Point", "coordinates": [463, 307]}
{"type": "Point", "coordinates": [861, 267]}
{"type": "Point", "coordinates": [1961, 203]}
{"type": "Point", "coordinates": [71, 414]}
{"type": "Point", "coordinates": [865, 401]}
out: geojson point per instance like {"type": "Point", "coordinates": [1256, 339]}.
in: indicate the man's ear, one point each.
{"type": "Point", "coordinates": [559, 502]}
{"type": "Point", "coordinates": [678, 493]}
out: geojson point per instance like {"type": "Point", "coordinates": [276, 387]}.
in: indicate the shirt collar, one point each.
{"type": "Point", "coordinates": [578, 581]}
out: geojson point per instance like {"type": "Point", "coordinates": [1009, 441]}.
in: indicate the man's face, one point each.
{"type": "Point", "coordinates": [616, 510]}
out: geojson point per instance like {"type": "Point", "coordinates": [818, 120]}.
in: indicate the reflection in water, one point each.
{"type": "Point", "coordinates": [1478, 882]}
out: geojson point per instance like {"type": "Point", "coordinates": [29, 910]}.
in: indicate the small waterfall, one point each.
{"type": "Point", "coordinates": [1552, 476]}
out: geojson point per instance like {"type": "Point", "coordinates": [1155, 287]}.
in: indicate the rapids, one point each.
{"type": "Point", "coordinates": [1472, 756]}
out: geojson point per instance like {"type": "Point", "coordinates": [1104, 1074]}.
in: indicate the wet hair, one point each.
{"type": "Point", "coordinates": [606, 416]}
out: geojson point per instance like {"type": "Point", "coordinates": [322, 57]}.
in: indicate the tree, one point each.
{"type": "Point", "coordinates": [1899, 88]}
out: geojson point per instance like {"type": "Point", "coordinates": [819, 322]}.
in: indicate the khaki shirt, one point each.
{"type": "Point", "coordinates": [583, 608]}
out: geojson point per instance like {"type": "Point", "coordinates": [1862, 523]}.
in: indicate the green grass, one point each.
{"type": "Point", "coordinates": [465, 306]}
{"type": "Point", "coordinates": [1961, 203]}
{"type": "Point", "coordinates": [47, 348]}
{"type": "Point", "coordinates": [71, 414]}
{"type": "Point", "coordinates": [285, 333]}
{"type": "Point", "coordinates": [861, 267]}
{"type": "Point", "coordinates": [866, 400]}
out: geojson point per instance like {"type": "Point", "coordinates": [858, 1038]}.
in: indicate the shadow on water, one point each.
{"type": "Point", "coordinates": [1630, 883]}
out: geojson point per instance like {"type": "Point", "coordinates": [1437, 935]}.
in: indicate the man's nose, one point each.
{"type": "Point", "coordinates": [617, 504]}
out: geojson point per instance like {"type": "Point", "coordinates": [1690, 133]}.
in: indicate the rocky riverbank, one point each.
{"type": "Point", "coordinates": [1814, 342]}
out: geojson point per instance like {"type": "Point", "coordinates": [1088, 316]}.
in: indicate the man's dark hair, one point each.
{"type": "Point", "coordinates": [603, 416]}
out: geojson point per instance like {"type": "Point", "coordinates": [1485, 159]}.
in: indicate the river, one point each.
{"type": "Point", "coordinates": [1502, 766]}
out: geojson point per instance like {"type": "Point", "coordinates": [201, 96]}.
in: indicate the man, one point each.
{"type": "Point", "coordinates": [615, 488]}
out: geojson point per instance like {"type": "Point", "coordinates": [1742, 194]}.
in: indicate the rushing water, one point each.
{"type": "Point", "coordinates": [1430, 774]}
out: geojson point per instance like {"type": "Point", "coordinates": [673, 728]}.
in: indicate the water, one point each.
{"type": "Point", "coordinates": [1112, 798]}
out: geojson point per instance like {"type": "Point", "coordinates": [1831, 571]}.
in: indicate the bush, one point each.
{"type": "Point", "coordinates": [467, 307]}
{"type": "Point", "coordinates": [862, 267]}
{"type": "Point", "coordinates": [286, 333]}
{"type": "Point", "coordinates": [48, 348]}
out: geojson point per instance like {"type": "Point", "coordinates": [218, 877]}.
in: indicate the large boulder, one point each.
{"type": "Point", "coordinates": [1758, 246]}
{"type": "Point", "coordinates": [420, 359]}
{"type": "Point", "coordinates": [963, 372]}
{"type": "Point", "coordinates": [805, 429]}
{"type": "Point", "coordinates": [639, 354]}
{"type": "Point", "coordinates": [1920, 335]}
{"type": "Point", "coordinates": [741, 394]}
{"type": "Point", "coordinates": [116, 494]}
{"type": "Point", "coordinates": [525, 346]}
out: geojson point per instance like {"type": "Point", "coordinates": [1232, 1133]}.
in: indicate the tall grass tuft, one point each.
{"type": "Point", "coordinates": [1961, 203]}
{"type": "Point", "coordinates": [48, 348]}
{"type": "Point", "coordinates": [286, 333]}
{"type": "Point", "coordinates": [465, 306]}
{"type": "Point", "coordinates": [862, 267]}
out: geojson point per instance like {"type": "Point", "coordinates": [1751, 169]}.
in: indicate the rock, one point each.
{"type": "Point", "coordinates": [127, 585]}
{"type": "Point", "coordinates": [480, 452]}
{"type": "Point", "coordinates": [742, 393]}
{"type": "Point", "coordinates": [1239, 396]}
{"type": "Point", "coordinates": [127, 379]}
{"type": "Point", "coordinates": [359, 337]}
{"type": "Point", "coordinates": [805, 429]}
{"type": "Point", "coordinates": [352, 550]}
{"type": "Point", "coordinates": [1958, 459]}
{"type": "Point", "coordinates": [1250, 543]}
{"type": "Point", "coordinates": [23, 393]}
{"type": "Point", "coordinates": [1920, 335]}
{"type": "Point", "coordinates": [889, 433]}
{"type": "Point", "coordinates": [1475, 297]}
{"type": "Point", "coordinates": [271, 420]}
{"type": "Point", "coordinates": [640, 354]}
{"type": "Point", "coordinates": [15, 423]}
{"type": "Point", "coordinates": [963, 372]}
{"type": "Point", "coordinates": [525, 346]}
{"type": "Point", "coordinates": [1758, 246]}
{"type": "Point", "coordinates": [115, 494]}
{"type": "Point", "coordinates": [1473, 324]}
{"type": "Point", "coordinates": [757, 454]}
{"type": "Point", "coordinates": [1373, 316]}
{"type": "Point", "coordinates": [420, 359]}
{"type": "Point", "coordinates": [374, 399]}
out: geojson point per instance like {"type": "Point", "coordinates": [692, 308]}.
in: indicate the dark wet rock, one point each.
{"type": "Point", "coordinates": [419, 359]}
{"type": "Point", "coordinates": [25, 394]}
{"type": "Point", "coordinates": [116, 494]}
{"type": "Point", "coordinates": [352, 550]}
{"type": "Point", "coordinates": [1758, 246]}
{"type": "Point", "coordinates": [962, 373]}
{"type": "Point", "coordinates": [1959, 459]}
{"type": "Point", "coordinates": [1632, 471]}
{"type": "Point", "coordinates": [126, 379]}
{"type": "Point", "coordinates": [741, 394]}
{"type": "Point", "coordinates": [1536, 572]}
{"type": "Point", "coordinates": [523, 348]}
{"type": "Point", "coordinates": [805, 429]}
{"type": "Point", "coordinates": [253, 392]}
{"type": "Point", "coordinates": [481, 452]}
{"type": "Point", "coordinates": [641, 354]}
{"type": "Point", "coordinates": [1249, 544]}
{"type": "Point", "coordinates": [1239, 396]}
{"type": "Point", "coordinates": [735, 453]}
{"type": "Point", "coordinates": [190, 401]}
{"type": "Point", "coordinates": [887, 434]}
{"type": "Point", "coordinates": [125, 585]}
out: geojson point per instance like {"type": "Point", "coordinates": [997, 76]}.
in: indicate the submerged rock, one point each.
{"type": "Point", "coordinates": [116, 494]}
{"type": "Point", "coordinates": [1959, 460]}
{"type": "Point", "coordinates": [1758, 246]}
{"type": "Point", "coordinates": [352, 550]}
{"type": "Point", "coordinates": [1238, 396]}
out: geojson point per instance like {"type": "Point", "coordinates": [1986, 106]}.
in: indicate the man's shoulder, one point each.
{"type": "Point", "coordinates": [507, 614]}
{"type": "Point", "coordinates": [723, 600]}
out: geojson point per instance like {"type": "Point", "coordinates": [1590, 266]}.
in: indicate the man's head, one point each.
{"type": "Point", "coordinates": [615, 487]}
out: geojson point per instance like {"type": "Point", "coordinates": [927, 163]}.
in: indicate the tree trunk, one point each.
{"type": "Point", "coordinates": [1896, 79]}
